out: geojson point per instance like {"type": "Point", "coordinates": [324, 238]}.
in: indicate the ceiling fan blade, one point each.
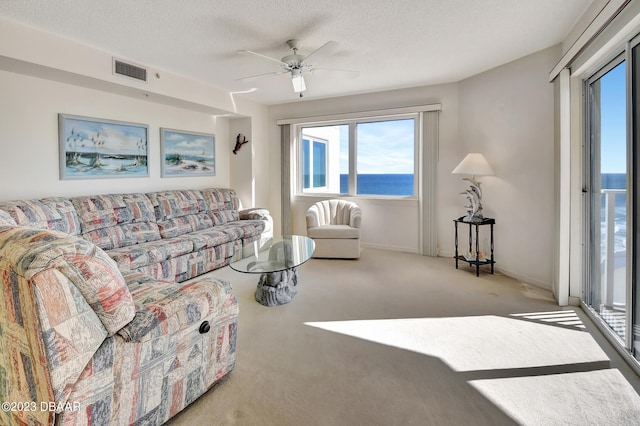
{"type": "Point", "coordinates": [326, 49]}
{"type": "Point", "coordinates": [260, 55]}
{"type": "Point", "coordinates": [251, 77]}
{"type": "Point", "coordinates": [335, 72]}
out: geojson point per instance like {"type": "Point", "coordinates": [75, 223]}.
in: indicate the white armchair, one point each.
{"type": "Point", "coordinates": [334, 225]}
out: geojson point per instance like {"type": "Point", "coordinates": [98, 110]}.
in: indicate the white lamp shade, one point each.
{"type": "Point", "coordinates": [474, 164]}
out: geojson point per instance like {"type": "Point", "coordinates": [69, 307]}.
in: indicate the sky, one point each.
{"type": "Point", "coordinates": [384, 147]}
{"type": "Point", "coordinates": [613, 120]}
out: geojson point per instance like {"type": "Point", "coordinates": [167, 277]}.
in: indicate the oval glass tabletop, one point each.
{"type": "Point", "coordinates": [275, 254]}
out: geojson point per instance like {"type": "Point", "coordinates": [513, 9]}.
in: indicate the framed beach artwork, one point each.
{"type": "Point", "coordinates": [187, 153]}
{"type": "Point", "coordinates": [93, 148]}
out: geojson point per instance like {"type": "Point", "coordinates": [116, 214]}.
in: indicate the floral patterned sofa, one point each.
{"type": "Point", "coordinates": [103, 319]}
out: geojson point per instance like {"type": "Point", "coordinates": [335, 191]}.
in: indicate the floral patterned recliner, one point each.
{"type": "Point", "coordinates": [93, 333]}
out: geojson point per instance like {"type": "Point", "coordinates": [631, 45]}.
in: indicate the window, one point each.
{"type": "Point", "coordinates": [385, 163]}
{"type": "Point", "coordinates": [372, 157]}
{"type": "Point", "coordinates": [314, 163]}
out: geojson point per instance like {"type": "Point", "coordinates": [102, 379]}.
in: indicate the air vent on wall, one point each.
{"type": "Point", "coordinates": [129, 70]}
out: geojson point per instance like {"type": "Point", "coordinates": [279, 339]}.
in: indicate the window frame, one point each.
{"type": "Point", "coordinates": [352, 124]}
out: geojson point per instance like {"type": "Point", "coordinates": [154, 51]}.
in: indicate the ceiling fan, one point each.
{"type": "Point", "coordinates": [298, 65]}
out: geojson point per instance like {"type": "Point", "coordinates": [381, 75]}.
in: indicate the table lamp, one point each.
{"type": "Point", "coordinates": [473, 164]}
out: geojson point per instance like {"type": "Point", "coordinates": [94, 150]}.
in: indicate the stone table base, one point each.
{"type": "Point", "coordinates": [277, 288]}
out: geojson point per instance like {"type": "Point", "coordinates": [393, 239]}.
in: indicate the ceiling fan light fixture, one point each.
{"type": "Point", "coordinates": [298, 81]}
{"type": "Point", "coordinates": [296, 64]}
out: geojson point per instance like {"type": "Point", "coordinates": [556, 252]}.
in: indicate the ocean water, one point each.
{"type": "Point", "coordinates": [614, 181]}
{"type": "Point", "coordinates": [380, 184]}
{"type": "Point", "coordinates": [402, 184]}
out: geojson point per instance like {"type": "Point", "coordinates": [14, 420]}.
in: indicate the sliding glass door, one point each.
{"type": "Point", "coordinates": [634, 101]}
{"type": "Point", "coordinates": [612, 185]}
{"type": "Point", "coordinates": [607, 293]}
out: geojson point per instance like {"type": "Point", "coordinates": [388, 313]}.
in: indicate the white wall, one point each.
{"type": "Point", "coordinates": [251, 167]}
{"type": "Point", "coordinates": [507, 113]}
{"type": "Point", "coordinates": [241, 162]}
{"type": "Point", "coordinates": [29, 164]}
{"type": "Point", "coordinates": [42, 75]}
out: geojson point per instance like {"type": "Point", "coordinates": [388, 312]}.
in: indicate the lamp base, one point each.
{"type": "Point", "coordinates": [474, 197]}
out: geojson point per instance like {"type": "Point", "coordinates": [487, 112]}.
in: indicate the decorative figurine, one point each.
{"type": "Point", "coordinates": [239, 143]}
{"type": "Point", "coordinates": [474, 195]}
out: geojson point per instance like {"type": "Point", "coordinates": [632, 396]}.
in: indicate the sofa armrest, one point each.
{"type": "Point", "coordinates": [313, 218]}
{"type": "Point", "coordinates": [355, 217]}
{"type": "Point", "coordinates": [256, 213]}
{"type": "Point", "coordinates": [165, 308]}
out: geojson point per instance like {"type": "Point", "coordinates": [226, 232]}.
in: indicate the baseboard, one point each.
{"type": "Point", "coordinates": [574, 301]}
{"type": "Point", "coordinates": [528, 280]}
{"type": "Point", "coordinates": [512, 274]}
{"type": "Point", "coordinates": [445, 254]}
{"type": "Point", "coordinates": [509, 273]}
{"type": "Point", "coordinates": [388, 247]}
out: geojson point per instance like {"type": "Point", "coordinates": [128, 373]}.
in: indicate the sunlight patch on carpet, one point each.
{"type": "Point", "coordinates": [555, 317]}
{"type": "Point", "coordinates": [601, 397]}
{"type": "Point", "coordinates": [478, 342]}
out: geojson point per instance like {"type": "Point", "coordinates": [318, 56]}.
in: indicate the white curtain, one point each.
{"type": "Point", "coordinates": [428, 184]}
{"type": "Point", "coordinates": [285, 190]}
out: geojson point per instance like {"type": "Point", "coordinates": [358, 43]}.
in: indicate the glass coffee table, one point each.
{"type": "Point", "coordinates": [276, 259]}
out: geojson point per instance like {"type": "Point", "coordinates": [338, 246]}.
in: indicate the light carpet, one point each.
{"type": "Point", "coordinates": [402, 339]}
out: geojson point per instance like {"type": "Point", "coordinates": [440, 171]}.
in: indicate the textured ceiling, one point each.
{"type": "Point", "coordinates": [393, 44]}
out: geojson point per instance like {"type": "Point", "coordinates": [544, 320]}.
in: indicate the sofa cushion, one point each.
{"type": "Point", "coordinates": [191, 265]}
{"type": "Point", "coordinates": [224, 216]}
{"type": "Point", "coordinates": [249, 228]}
{"type": "Point", "coordinates": [212, 237]}
{"type": "Point", "coordinates": [113, 221]}
{"type": "Point", "coordinates": [140, 206]}
{"type": "Point", "coordinates": [177, 203]}
{"type": "Point", "coordinates": [220, 199]}
{"type": "Point", "coordinates": [54, 213]}
{"type": "Point", "coordinates": [235, 232]}
{"type": "Point", "coordinates": [102, 211]}
{"type": "Point", "coordinates": [163, 307]}
{"type": "Point", "coordinates": [6, 219]}
{"type": "Point", "coordinates": [124, 235]}
{"type": "Point", "coordinates": [141, 255]}
{"type": "Point", "coordinates": [222, 204]}
{"type": "Point", "coordinates": [333, 231]}
{"type": "Point", "coordinates": [184, 224]}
